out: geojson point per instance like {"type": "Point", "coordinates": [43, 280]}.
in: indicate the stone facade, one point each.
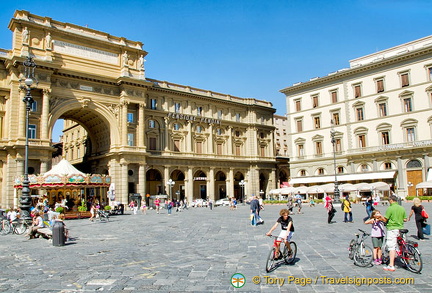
{"type": "Point", "coordinates": [141, 131]}
{"type": "Point", "coordinates": [381, 110]}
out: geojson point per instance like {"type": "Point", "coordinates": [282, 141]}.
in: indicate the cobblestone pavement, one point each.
{"type": "Point", "coordinates": [197, 250]}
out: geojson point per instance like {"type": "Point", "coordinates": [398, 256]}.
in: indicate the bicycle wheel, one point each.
{"type": "Point", "coordinates": [20, 227]}
{"type": "Point", "coordinates": [271, 260]}
{"type": "Point", "coordinates": [290, 257]}
{"type": "Point", "coordinates": [351, 248]}
{"type": "Point", "coordinates": [412, 259]}
{"type": "Point", "coordinates": [363, 255]}
{"type": "Point", "coordinates": [5, 227]}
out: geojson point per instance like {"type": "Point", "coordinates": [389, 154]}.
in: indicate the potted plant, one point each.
{"type": "Point", "coordinates": [60, 210]}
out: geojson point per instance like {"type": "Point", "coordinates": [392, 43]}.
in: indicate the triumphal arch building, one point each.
{"type": "Point", "coordinates": [141, 131]}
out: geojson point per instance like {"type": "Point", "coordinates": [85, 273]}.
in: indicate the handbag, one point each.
{"type": "Point", "coordinates": [424, 214]}
{"type": "Point", "coordinates": [426, 229]}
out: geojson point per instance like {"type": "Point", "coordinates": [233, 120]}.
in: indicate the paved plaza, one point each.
{"type": "Point", "coordinates": [198, 250]}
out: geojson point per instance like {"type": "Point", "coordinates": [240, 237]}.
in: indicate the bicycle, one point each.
{"type": "Point", "coordinates": [103, 215]}
{"type": "Point", "coordinates": [407, 252]}
{"type": "Point", "coordinates": [19, 227]}
{"type": "Point", "coordinates": [360, 252]}
{"type": "Point", "coordinates": [283, 253]}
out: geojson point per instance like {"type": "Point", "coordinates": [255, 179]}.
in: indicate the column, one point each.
{"type": "Point", "coordinates": [21, 114]}
{"type": "Point", "coordinates": [426, 166]}
{"type": "Point", "coordinates": [230, 183]}
{"type": "Point", "coordinates": [271, 145]}
{"type": "Point", "coordinates": [189, 137]}
{"type": "Point", "coordinates": [230, 143]}
{"type": "Point", "coordinates": [44, 115]}
{"type": "Point", "coordinates": [211, 184]}
{"type": "Point", "coordinates": [142, 180]}
{"type": "Point", "coordinates": [167, 120]}
{"type": "Point", "coordinates": [189, 184]}
{"type": "Point", "coordinates": [211, 140]}
{"type": "Point", "coordinates": [401, 176]}
{"type": "Point", "coordinates": [124, 108]}
{"type": "Point", "coordinates": [124, 190]}
{"type": "Point", "coordinates": [165, 180]}
{"type": "Point", "coordinates": [141, 126]}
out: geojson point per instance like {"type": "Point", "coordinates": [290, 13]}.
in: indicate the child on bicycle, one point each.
{"type": "Point", "coordinates": [287, 230]}
{"type": "Point", "coordinates": [377, 235]}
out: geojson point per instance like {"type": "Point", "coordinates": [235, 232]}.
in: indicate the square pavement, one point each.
{"type": "Point", "coordinates": [199, 250]}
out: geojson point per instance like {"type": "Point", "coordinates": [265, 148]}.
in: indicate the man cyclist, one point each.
{"type": "Point", "coordinates": [395, 217]}
{"type": "Point", "coordinates": [287, 231]}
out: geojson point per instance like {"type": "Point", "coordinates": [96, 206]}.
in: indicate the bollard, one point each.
{"type": "Point", "coordinates": [58, 235]}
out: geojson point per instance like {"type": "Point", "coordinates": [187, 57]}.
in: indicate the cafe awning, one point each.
{"type": "Point", "coordinates": [344, 177]}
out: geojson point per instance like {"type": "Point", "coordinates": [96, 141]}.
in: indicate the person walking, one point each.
{"type": "Point", "coordinates": [169, 205]}
{"type": "Point", "coordinates": [254, 206]}
{"type": "Point", "coordinates": [416, 210]}
{"type": "Point", "coordinates": [157, 204]}
{"type": "Point", "coordinates": [211, 204]}
{"type": "Point", "coordinates": [369, 207]}
{"type": "Point", "coordinates": [298, 199]}
{"type": "Point", "coordinates": [347, 209]}
{"type": "Point", "coordinates": [331, 211]}
{"type": "Point", "coordinates": [395, 217]}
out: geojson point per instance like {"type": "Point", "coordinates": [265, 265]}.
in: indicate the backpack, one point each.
{"type": "Point", "coordinates": [343, 205]}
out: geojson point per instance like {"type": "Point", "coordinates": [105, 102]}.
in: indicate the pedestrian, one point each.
{"type": "Point", "coordinates": [416, 209]}
{"type": "Point", "coordinates": [144, 208]}
{"type": "Point", "coordinates": [92, 212]}
{"type": "Point", "coordinates": [254, 206]}
{"type": "Point", "coordinates": [157, 204]}
{"type": "Point", "coordinates": [369, 207]}
{"type": "Point", "coordinates": [287, 231]}
{"type": "Point", "coordinates": [312, 202]}
{"type": "Point", "coordinates": [299, 199]}
{"type": "Point", "coordinates": [331, 211]}
{"type": "Point", "coordinates": [36, 225]}
{"type": "Point", "coordinates": [377, 235]}
{"type": "Point", "coordinates": [290, 205]}
{"type": "Point", "coordinates": [135, 207]}
{"type": "Point", "coordinates": [211, 204]}
{"type": "Point", "coordinates": [395, 217]}
{"type": "Point", "coordinates": [169, 206]}
{"type": "Point", "coordinates": [347, 209]}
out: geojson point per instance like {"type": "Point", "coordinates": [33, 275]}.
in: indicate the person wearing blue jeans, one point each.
{"type": "Point", "coordinates": [347, 211]}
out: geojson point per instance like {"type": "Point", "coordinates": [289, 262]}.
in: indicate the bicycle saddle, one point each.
{"type": "Point", "coordinates": [403, 231]}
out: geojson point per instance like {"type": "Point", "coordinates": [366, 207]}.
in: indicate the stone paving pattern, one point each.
{"type": "Point", "coordinates": [197, 250]}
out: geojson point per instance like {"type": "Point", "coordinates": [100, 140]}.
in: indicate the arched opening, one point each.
{"type": "Point", "coordinates": [220, 185]}
{"type": "Point", "coordinates": [200, 185]}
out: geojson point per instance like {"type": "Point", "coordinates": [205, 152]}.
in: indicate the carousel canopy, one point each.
{"type": "Point", "coordinates": [64, 168]}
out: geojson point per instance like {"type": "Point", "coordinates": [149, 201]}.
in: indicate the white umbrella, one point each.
{"type": "Point", "coordinates": [347, 187]}
{"type": "Point", "coordinates": [363, 186]}
{"type": "Point", "coordinates": [381, 186]}
{"type": "Point", "coordinates": [424, 184]}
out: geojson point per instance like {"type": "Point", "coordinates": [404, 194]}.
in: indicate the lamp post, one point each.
{"type": "Point", "coordinates": [261, 193]}
{"type": "Point", "coordinates": [26, 83]}
{"type": "Point", "coordinates": [170, 184]}
{"type": "Point", "coordinates": [336, 184]}
{"type": "Point", "coordinates": [242, 185]}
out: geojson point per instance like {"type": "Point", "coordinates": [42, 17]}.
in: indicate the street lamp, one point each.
{"type": "Point", "coordinates": [27, 83]}
{"type": "Point", "coordinates": [336, 184]}
{"type": "Point", "coordinates": [261, 193]}
{"type": "Point", "coordinates": [170, 184]}
{"type": "Point", "coordinates": [242, 185]}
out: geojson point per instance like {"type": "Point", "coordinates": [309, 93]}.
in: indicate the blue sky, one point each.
{"type": "Point", "coordinates": [243, 48]}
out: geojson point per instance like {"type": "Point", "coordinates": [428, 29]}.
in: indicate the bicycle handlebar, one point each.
{"type": "Point", "coordinates": [364, 232]}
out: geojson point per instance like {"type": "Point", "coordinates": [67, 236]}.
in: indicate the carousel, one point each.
{"type": "Point", "coordinates": [66, 186]}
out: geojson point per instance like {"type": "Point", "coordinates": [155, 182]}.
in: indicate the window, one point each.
{"type": "Point", "coordinates": [33, 107]}
{"type": "Point", "coordinates": [362, 141]}
{"type": "Point", "coordinates": [382, 107]}
{"type": "Point", "coordinates": [340, 170]}
{"type": "Point", "coordinates": [153, 104]}
{"type": "Point", "coordinates": [219, 131]}
{"type": "Point", "coordinates": [317, 122]}
{"type": "Point", "coordinates": [199, 111]}
{"type": "Point", "coordinates": [357, 91]}
{"type": "Point", "coordinates": [237, 150]}
{"type": "Point", "coordinates": [387, 166]}
{"type": "Point", "coordinates": [410, 134]}
{"type": "Point", "coordinates": [199, 147]}
{"type": "Point", "coordinates": [298, 105]}
{"type": "Point", "coordinates": [336, 118]}
{"type": "Point", "coordinates": [385, 138]}
{"type": "Point", "coordinates": [299, 123]}
{"type": "Point", "coordinates": [379, 85]}
{"type": "Point", "coordinates": [320, 171]}
{"type": "Point", "coordinates": [177, 107]}
{"type": "Point", "coordinates": [334, 97]}
{"type": "Point", "coordinates": [237, 133]}
{"type": "Point", "coordinates": [359, 114]}
{"type": "Point", "coordinates": [302, 172]}
{"type": "Point", "coordinates": [152, 143]}
{"type": "Point", "coordinates": [315, 101]}
{"type": "Point", "coordinates": [219, 149]}
{"type": "Point", "coordinates": [364, 168]}
{"type": "Point", "coordinates": [176, 145]}
{"type": "Point", "coordinates": [219, 114]}
{"type": "Point", "coordinates": [237, 115]}
{"type": "Point", "coordinates": [318, 148]}
{"type": "Point", "coordinates": [198, 129]}
{"type": "Point", "coordinates": [300, 150]}
{"type": "Point", "coordinates": [176, 126]}
{"type": "Point", "coordinates": [430, 73]}
{"type": "Point", "coordinates": [338, 145]}
{"type": "Point", "coordinates": [32, 131]}
{"type": "Point", "coordinates": [130, 139]}
{"type": "Point", "coordinates": [130, 117]}
{"type": "Point", "coordinates": [404, 79]}
{"type": "Point", "coordinates": [407, 105]}
{"type": "Point", "coordinates": [152, 124]}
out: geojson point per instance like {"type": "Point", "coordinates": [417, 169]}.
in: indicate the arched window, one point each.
{"type": "Point", "coordinates": [414, 164]}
